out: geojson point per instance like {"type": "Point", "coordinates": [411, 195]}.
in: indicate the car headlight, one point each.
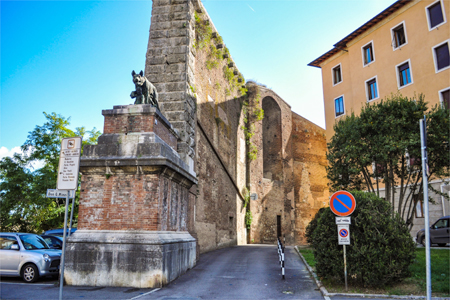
{"type": "Point", "coordinates": [46, 257]}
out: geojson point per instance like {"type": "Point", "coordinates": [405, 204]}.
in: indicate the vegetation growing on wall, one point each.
{"type": "Point", "coordinates": [248, 213]}
{"type": "Point", "coordinates": [212, 43]}
{"type": "Point", "coordinates": [252, 114]}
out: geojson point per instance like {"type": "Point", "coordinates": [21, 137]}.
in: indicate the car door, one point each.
{"type": "Point", "coordinates": [440, 232]}
{"type": "Point", "coordinates": [9, 259]}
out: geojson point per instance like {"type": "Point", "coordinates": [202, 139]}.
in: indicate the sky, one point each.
{"type": "Point", "coordinates": [75, 58]}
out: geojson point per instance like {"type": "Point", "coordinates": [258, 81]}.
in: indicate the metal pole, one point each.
{"type": "Point", "coordinates": [71, 212]}
{"type": "Point", "coordinates": [423, 143]}
{"type": "Point", "coordinates": [345, 269]}
{"type": "Point", "coordinates": [61, 277]}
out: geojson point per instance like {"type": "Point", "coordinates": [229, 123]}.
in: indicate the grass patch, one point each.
{"type": "Point", "coordinates": [309, 256]}
{"type": "Point", "coordinates": [415, 284]}
{"type": "Point", "coordinates": [440, 269]}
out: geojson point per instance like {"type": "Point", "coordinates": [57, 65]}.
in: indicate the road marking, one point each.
{"type": "Point", "coordinates": [29, 284]}
{"type": "Point", "coordinates": [145, 294]}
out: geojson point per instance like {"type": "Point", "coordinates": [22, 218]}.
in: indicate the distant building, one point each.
{"type": "Point", "coordinates": [404, 48]}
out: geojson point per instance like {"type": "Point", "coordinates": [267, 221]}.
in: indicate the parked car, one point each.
{"type": "Point", "coordinates": [439, 233]}
{"type": "Point", "coordinates": [27, 255]}
{"type": "Point", "coordinates": [54, 241]}
{"type": "Point", "coordinates": [59, 232]}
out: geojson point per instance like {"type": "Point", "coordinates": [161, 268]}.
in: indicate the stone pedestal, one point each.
{"type": "Point", "coordinates": [134, 201]}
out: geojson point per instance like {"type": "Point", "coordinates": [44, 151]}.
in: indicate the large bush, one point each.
{"type": "Point", "coordinates": [381, 247]}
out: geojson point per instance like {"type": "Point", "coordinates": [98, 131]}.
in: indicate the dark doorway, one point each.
{"type": "Point", "coordinates": [278, 226]}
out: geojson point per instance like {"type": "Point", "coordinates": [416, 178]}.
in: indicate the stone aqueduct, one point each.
{"type": "Point", "coordinates": [162, 187]}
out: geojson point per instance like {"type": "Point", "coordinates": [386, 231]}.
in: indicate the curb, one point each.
{"type": "Point", "coordinates": [327, 295]}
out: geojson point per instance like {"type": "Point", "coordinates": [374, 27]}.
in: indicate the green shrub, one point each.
{"type": "Point", "coordinates": [312, 226]}
{"type": "Point", "coordinates": [381, 249]}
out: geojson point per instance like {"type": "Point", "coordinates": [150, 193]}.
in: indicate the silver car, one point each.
{"type": "Point", "coordinates": [27, 255]}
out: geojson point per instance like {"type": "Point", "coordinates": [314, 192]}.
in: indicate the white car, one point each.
{"type": "Point", "coordinates": [27, 255]}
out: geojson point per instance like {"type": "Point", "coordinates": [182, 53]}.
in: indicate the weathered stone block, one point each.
{"type": "Point", "coordinates": [176, 68]}
{"type": "Point", "coordinates": [140, 259]}
{"type": "Point", "coordinates": [176, 58]}
{"type": "Point", "coordinates": [159, 34]}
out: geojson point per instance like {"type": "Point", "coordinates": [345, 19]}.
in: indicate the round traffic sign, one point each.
{"type": "Point", "coordinates": [343, 233]}
{"type": "Point", "coordinates": [342, 203]}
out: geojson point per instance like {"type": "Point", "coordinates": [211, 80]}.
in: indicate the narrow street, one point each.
{"type": "Point", "coordinates": [240, 272]}
{"type": "Point", "coordinates": [243, 272]}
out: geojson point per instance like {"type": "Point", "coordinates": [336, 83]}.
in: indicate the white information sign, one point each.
{"type": "Point", "coordinates": [343, 220]}
{"type": "Point", "coordinates": [344, 234]}
{"type": "Point", "coordinates": [51, 193]}
{"type": "Point", "coordinates": [69, 163]}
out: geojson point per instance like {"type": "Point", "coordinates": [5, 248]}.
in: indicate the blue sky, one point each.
{"type": "Point", "coordinates": [75, 57]}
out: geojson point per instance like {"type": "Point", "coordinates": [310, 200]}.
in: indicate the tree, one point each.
{"type": "Point", "coordinates": [381, 146]}
{"type": "Point", "coordinates": [23, 202]}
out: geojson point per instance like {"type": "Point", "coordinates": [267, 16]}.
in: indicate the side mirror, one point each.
{"type": "Point", "coordinates": [56, 247]}
{"type": "Point", "coordinates": [15, 247]}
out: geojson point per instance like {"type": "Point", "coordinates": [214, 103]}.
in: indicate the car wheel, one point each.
{"type": "Point", "coordinates": [442, 245]}
{"type": "Point", "coordinates": [30, 273]}
{"type": "Point", "coordinates": [422, 241]}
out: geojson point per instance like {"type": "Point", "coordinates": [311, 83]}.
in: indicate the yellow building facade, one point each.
{"type": "Point", "coordinates": [404, 48]}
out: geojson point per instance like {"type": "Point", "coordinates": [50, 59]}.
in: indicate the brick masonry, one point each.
{"type": "Point", "coordinates": [134, 206]}
{"type": "Point", "coordinates": [207, 111]}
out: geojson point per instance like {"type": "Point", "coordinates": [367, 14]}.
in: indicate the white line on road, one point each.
{"type": "Point", "coordinates": [29, 284]}
{"type": "Point", "coordinates": [145, 294]}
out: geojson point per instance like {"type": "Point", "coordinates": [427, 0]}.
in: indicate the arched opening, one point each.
{"type": "Point", "coordinates": [272, 140]}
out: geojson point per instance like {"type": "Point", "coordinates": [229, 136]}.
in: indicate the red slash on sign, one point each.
{"type": "Point", "coordinates": [342, 203]}
{"type": "Point", "coordinates": [343, 233]}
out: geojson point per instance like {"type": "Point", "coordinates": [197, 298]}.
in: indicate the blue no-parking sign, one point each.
{"type": "Point", "coordinates": [342, 203]}
{"type": "Point", "coordinates": [344, 234]}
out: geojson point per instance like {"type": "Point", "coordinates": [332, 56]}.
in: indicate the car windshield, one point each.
{"type": "Point", "coordinates": [33, 242]}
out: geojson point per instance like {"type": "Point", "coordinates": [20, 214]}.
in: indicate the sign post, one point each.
{"type": "Point", "coordinates": [69, 164]}
{"type": "Point", "coordinates": [343, 204]}
{"type": "Point", "coordinates": [423, 142]}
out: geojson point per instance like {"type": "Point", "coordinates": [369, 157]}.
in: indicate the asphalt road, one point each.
{"type": "Point", "coordinates": [241, 272]}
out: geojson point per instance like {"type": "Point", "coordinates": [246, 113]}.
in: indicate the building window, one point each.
{"type": "Point", "coordinates": [339, 106]}
{"type": "Point", "coordinates": [337, 74]}
{"type": "Point", "coordinates": [441, 56]}
{"type": "Point", "coordinates": [404, 74]}
{"type": "Point", "coordinates": [372, 89]}
{"type": "Point", "coordinates": [368, 55]}
{"type": "Point", "coordinates": [444, 96]}
{"type": "Point", "coordinates": [435, 15]}
{"type": "Point", "coordinates": [399, 36]}
{"type": "Point", "coordinates": [419, 206]}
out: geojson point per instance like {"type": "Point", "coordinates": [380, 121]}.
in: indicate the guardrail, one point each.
{"type": "Point", "coordinates": [281, 255]}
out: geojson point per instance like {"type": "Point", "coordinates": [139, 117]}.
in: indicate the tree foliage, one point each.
{"type": "Point", "coordinates": [381, 249]}
{"type": "Point", "coordinates": [381, 148]}
{"type": "Point", "coordinates": [23, 203]}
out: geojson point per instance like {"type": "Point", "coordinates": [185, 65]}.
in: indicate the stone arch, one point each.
{"type": "Point", "coordinates": [272, 140]}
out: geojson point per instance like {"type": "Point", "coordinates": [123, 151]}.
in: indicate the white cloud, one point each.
{"type": "Point", "coordinates": [4, 152]}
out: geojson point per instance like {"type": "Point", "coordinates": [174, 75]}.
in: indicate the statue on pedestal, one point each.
{"type": "Point", "coordinates": [145, 92]}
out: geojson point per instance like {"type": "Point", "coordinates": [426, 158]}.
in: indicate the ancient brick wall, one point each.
{"type": "Point", "coordinates": [202, 93]}
{"type": "Point", "coordinates": [310, 182]}
{"type": "Point", "coordinates": [271, 173]}
{"type": "Point", "coordinates": [131, 202]}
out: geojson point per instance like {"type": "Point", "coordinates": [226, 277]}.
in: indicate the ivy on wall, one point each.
{"type": "Point", "coordinates": [252, 114]}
